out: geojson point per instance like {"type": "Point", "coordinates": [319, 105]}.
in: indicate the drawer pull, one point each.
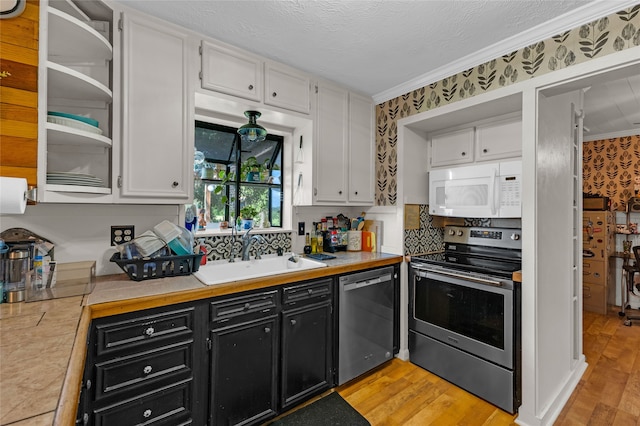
{"type": "Point", "coordinates": [247, 306]}
{"type": "Point", "coordinates": [310, 291]}
{"type": "Point", "coordinates": [147, 369]}
{"type": "Point", "coordinates": [293, 322]}
{"type": "Point", "coordinates": [267, 330]}
{"type": "Point", "coordinates": [146, 414]}
{"type": "Point", "coordinates": [149, 331]}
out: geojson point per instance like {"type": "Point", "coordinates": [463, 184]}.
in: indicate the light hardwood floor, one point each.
{"type": "Point", "coordinates": [400, 393]}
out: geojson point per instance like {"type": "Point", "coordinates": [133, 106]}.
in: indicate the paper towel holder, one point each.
{"type": "Point", "coordinates": [29, 194]}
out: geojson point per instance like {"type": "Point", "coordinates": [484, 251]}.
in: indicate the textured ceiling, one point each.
{"type": "Point", "coordinates": [370, 46]}
{"type": "Point", "coordinates": [378, 47]}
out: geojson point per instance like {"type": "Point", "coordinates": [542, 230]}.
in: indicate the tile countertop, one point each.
{"type": "Point", "coordinates": [41, 343]}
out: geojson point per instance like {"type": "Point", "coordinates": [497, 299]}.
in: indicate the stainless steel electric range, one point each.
{"type": "Point", "coordinates": [464, 314]}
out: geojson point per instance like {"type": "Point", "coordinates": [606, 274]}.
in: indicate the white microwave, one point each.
{"type": "Point", "coordinates": [478, 191]}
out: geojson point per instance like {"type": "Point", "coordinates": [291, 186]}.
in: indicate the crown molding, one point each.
{"type": "Point", "coordinates": [582, 15]}
{"type": "Point", "coordinates": [612, 135]}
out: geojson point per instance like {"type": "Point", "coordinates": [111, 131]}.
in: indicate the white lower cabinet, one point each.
{"type": "Point", "coordinates": [343, 147]}
{"type": "Point", "coordinates": [157, 113]}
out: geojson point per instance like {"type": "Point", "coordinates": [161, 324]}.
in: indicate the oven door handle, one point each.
{"type": "Point", "coordinates": [460, 276]}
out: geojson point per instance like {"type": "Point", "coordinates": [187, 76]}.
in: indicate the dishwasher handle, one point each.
{"type": "Point", "coordinates": [365, 283]}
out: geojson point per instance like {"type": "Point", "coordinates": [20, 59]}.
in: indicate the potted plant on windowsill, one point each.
{"type": "Point", "coordinates": [251, 169]}
{"type": "Point", "coordinates": [248, 213]}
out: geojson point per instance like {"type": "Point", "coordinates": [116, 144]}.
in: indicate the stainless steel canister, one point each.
{"type": "Point", "coordinates": [16, 270]}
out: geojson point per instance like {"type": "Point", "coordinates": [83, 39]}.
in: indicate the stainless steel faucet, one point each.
{"type": "Point", "coordinates": [232, 249]}
{"type": "Point", "coordinates": [247, 240]}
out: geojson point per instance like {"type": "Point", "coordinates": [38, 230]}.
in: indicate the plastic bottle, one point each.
{"type": "Point", "coordinates": [37, 272]}
{"type": "Point", "coordinates": [203, 249]}
{"type": "Point", "coordinates": [307, 244]}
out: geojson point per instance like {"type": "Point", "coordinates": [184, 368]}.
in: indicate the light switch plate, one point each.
{"type": "Point", "coordinates": [300, 228]}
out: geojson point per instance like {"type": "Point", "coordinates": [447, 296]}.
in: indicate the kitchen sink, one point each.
{"type": "Point", "coordinates": [222, 271]}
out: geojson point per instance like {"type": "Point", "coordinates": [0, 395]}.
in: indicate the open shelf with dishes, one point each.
{"type": "Point", "coordinates": [76, 96]}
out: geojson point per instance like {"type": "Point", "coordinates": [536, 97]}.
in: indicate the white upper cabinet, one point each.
{"type": "Point", "coordinates": [499, 139]}
{"type": "Point", "coordinates": [343, 147]}
{"type": "Point", "coordinates": [486, 140]}
{"type": "Point", "coordinates": [361, 150]}
{"type": "Point", "coordinates": [157, 113]}
{"type": "Point", "coordinates": [238, 73]}
{"type": "Point", "coordinates": [330, 144]}
{"type": "Point", "coordinates": [75, 98]}
{"type": "Point", "coordinates": [287, 88]}
{"type": "Point", "coordinates": [230, 71]}
{"type": "Point", "coordinates": [452, 148]}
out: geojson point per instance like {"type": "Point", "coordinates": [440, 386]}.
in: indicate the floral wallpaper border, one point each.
{"type": "Point", "coordinates": [610, 34]}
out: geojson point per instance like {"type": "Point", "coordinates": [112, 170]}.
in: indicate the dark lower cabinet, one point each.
{"type": "Point", "coordinates": [244, 372]}
{"type": "Point", "coordinates": [144, 368]}
{"type": "Point", "coordinates": [306, 352]}
{"type": "Point", "coordinates": [240, 359]}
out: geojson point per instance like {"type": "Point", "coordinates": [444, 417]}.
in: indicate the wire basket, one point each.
{"type": "Point", "coordinates": [158, 267]}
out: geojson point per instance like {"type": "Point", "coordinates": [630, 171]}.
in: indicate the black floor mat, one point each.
{"type": "Point", "coordinates": [331, 410]}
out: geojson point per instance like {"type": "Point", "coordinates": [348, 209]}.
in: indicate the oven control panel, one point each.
{"type": "Point", "coordinates": [493, 237]}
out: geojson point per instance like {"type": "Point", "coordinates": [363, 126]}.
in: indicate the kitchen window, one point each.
{"type": "Point", "coordinates": [236, 177]}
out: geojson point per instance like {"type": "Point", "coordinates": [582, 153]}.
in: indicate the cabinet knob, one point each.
{"type": "Point", "coordinates": [175, 184]}
{"type": "Point", "coordinates": [464, 153]}
{"type": "Point", "coordinates": [149, 331]}
{"type": "Point", "coordinates": [146, 414]}
{"type": "Point", "coordinates": [293, 322]}
{"type": "Point", "coordinates": [267, 330]}
{"type": "Point", "coordinates": [310, 291]}
{"type": "Point", "coordinates": [484, 151]}
{"type": "Point", "coordinates": [356, 192]}
{"type": "Point", "coordinates": [274, 94]}
{"type": "Point", "coordinates": [340, 192]}
{"type": "Point", "coordinates": [147, 369]}
{"type": "Point", "coordinates": [247, 306]}
{"type": "Point", "coordinates": [250, 87]}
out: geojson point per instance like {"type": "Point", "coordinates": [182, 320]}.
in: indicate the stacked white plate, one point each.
{"type": "Point", "coordinates": [74, 123]}
{"type": "Point", "coordinates": [68, 178]}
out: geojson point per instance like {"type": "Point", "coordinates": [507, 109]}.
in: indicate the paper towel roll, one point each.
{"type": "Point", "coordinates": [13, 195]}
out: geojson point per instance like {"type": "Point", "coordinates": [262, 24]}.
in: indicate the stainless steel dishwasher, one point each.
{"type": "Point", "coordinates": [365, 322]}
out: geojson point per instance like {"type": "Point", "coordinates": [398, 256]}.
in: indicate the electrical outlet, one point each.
{"type": "Point", "coordinates": [300, 228]}
{"type": "Point", "coordinates": [122, 234]}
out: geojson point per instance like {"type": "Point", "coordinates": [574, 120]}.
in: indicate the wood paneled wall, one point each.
{"type": "Point", "coordinates": [19, 94]}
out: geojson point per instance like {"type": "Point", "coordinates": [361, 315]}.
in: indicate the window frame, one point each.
{"type": "Point", "coordinates": [236, 151]}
